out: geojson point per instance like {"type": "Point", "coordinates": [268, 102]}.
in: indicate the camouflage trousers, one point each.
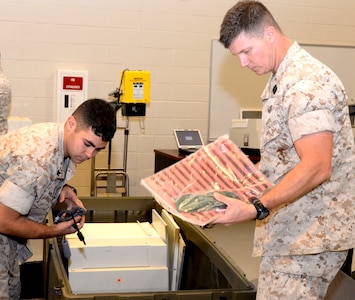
{"type": "Point", "coordinates": [10, 284]}
{"type": "Point", "coordinates": [298, 277]}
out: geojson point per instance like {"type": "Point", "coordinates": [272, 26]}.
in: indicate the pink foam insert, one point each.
{"type": "Point", "coordinates": [219, 166]}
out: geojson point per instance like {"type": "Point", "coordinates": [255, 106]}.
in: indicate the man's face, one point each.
{"type": "Point", "coordinates": [255, 53]}
{"type": "Point", "coordinates": [82, 144]}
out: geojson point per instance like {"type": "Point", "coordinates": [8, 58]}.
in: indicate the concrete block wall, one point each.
{"type": "Point", "coordinates": [171, 39]}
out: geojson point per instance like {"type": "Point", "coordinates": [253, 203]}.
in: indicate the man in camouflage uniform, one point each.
{"type": "Point", "coordinates": [35, 164]}
{"type": "Point", "coordinates": [5, 100]}
{"type": "Point", "coordinates": [307, 152]}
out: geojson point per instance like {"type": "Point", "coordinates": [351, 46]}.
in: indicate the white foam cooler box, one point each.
{"type": "Point", "coordinates": [118, 257]}
{"type": "Point", "coordinates": [114, 280]}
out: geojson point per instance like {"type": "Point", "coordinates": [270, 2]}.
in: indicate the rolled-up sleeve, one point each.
{"type": "Point", "coordinates": [311, 122]}
{"type": "Point", "coordinates": [12, 196]}
{"type": "Point", "coordinates": [311, 108]}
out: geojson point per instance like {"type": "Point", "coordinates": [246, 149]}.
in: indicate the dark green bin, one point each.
{"type": "Point", "coordinates": [207, 273]}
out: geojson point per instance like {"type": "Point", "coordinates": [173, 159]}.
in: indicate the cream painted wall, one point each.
{"type": "Point", "coordinates": [171, 39]}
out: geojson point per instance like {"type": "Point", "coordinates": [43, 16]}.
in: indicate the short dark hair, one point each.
{"type": "Point", "coordinates": [98, 115]}
{"type": "Point", "coordinates": [249, 17]}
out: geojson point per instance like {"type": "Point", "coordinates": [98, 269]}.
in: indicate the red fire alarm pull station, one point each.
{"type": "Point", "coordinates": [72, 90]}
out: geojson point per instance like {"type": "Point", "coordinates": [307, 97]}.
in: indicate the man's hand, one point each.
{"type": "Point", "coordinates": [237, 211]}
{"type": "Point", "coordinates": [68, 196]}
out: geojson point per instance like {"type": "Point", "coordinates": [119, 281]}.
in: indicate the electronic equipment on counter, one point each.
{"type": "Point", "coordinates": [188, 140]}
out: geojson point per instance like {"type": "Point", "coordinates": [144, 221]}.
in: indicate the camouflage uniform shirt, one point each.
{"type": "Point", "coordinates": [33, 171]}
{"type": "Point", "coordinates": [302, 98]}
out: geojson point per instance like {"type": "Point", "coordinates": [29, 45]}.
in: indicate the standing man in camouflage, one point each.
{"type": "Point", "coordinates": [306, 222]}
{"type": "Point", "coordinates": [5, 101]}
{"type": "Point", "coordinates": [35, 164]}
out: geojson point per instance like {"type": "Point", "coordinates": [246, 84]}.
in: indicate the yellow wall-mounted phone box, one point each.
{"type": "Point", "coordinates": [135, 86]}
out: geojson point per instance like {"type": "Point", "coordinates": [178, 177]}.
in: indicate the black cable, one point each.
{"type": "Point", "coordinates": [78, 233]}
